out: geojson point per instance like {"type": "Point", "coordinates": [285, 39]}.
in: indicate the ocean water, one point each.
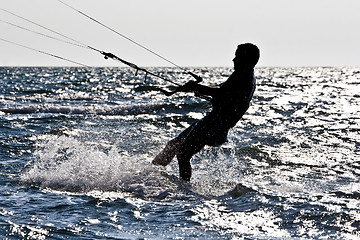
{"type": "Point", "coordinates": [76, 146]}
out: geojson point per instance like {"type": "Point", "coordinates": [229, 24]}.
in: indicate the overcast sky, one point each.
{"type": "Point", "coordinates": [187, 32]}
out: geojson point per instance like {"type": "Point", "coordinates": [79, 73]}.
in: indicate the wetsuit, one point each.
{"type": "Point", "coordinates": [229, 104]}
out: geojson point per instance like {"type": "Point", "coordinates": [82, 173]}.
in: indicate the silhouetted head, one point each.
{"type": "Point", "coordinates": [246, 56]}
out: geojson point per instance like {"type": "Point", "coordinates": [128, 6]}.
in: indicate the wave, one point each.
{"type": "Point", "coordinates": [65, 164]}
{"type": "Point", "coordinates": [84, 109]}
{"type": "Point", "coordinates": [350, 195]}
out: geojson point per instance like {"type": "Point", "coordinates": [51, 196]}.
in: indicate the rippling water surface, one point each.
{"type": "Point", "coordinates": [76, 147]}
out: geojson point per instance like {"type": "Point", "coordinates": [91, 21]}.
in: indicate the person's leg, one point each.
{"type": "Point", "coordinates": [171, 148]}
{"type": "Point", "coordinates": [168, 153]}
{"type": "Point", "coordinates": [187, 150]}
{"type": "Point", "coordinates": [188, 143]}
{"type": "Point", "coordinates": [184, 166]}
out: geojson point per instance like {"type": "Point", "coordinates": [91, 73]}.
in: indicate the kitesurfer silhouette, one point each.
{"type": "Point", "coordinates": [229, 103]}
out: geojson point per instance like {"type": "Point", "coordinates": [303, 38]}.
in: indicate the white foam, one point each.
{"type": "Point", "coordinates": [78, 165]}
{"type": "Point", "coordinates": [64, 163]}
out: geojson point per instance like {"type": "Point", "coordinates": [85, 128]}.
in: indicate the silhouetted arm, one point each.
{"type": "Point", "coordinates": [192, 86]}
{"type": "Point", "coordinates": [205, 90]}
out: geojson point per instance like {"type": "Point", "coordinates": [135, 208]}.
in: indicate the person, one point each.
{"type": "Point", "coordinates": [229, 103]}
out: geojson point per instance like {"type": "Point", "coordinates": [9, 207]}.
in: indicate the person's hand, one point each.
{"type": "Point", "coordinates": [188, 87]}
{"type": "Point", "coordinates": [198, 78]}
